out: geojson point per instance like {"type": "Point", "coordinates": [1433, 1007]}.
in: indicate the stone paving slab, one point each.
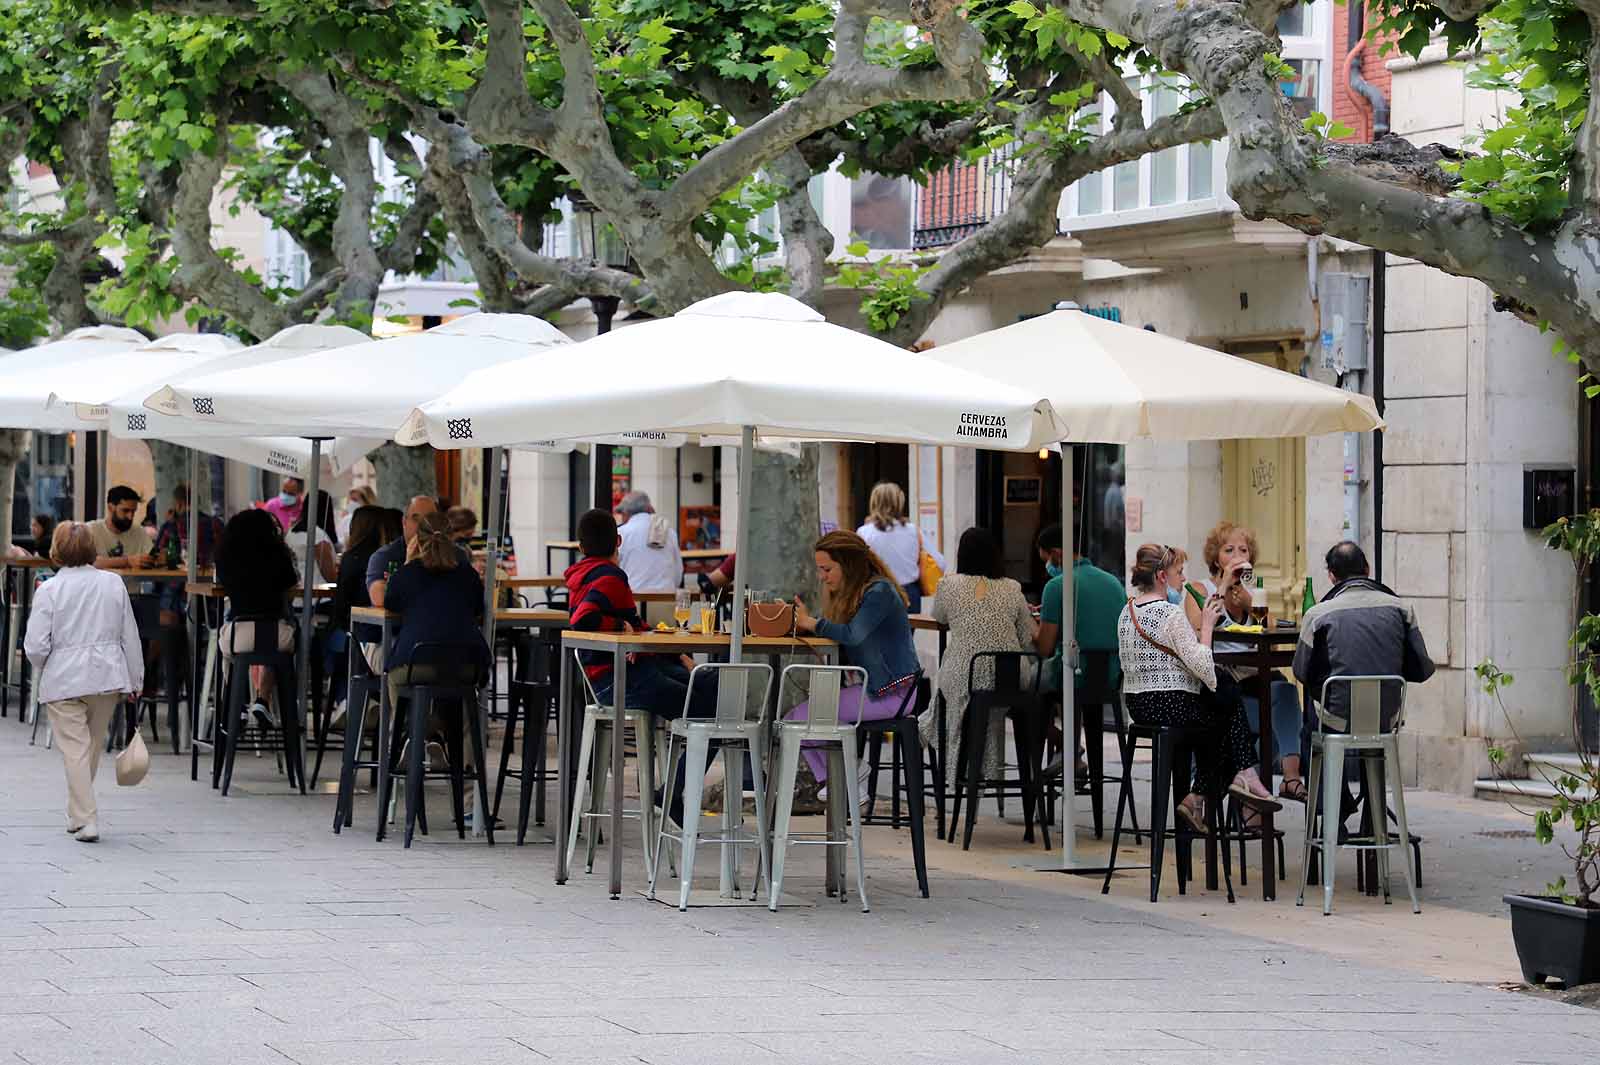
{"type": "Point", "coordinates": [241, 931]}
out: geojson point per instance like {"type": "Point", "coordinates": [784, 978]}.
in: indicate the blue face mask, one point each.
{"type": "Point", "coordinates": [1174, 596]}
{"type": "Point", "coordinates": [287, 499]}
{"type": "Point", "coordinates": [1052, 570]}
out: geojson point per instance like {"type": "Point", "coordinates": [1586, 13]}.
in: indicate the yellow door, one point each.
{"type": "Point", "coordinates": [1262, 490]}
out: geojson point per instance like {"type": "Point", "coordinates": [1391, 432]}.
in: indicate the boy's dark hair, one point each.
{"type": "Point", "coordinates": [597, 534]}
{"type": "Point", "coordinates": [1050, 537]}
{"type": "Point", "coordinates": [121, 494]}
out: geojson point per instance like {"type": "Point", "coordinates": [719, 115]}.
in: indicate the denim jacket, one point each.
{"type": "Point", "coordinates": [878, 638]}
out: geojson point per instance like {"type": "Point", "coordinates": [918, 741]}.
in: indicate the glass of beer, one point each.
{"type": "Point", "coordinates": [1258, 603]}
{"type": "Point", "coordinates": [680, 608]}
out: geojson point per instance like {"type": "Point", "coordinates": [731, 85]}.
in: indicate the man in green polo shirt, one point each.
{"type": "Point", "coordinates": [1098, 599]}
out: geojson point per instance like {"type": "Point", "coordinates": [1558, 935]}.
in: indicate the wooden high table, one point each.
{"type": "Point", "coordinates": [1268, 651]}
{"type": "Point", "coordinates": [620, 645]}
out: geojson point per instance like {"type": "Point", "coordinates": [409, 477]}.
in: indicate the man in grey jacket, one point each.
{"type": "Point", "coordinates": [1360, 628]}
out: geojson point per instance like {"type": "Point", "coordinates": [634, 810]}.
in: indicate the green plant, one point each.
{"type": "Point", "coordinates": [1577, 795]}
{"type": "Point", "coordinates": [889, 285]}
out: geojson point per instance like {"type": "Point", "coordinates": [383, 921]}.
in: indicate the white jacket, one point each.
{"type": "Point", "coordinates": [82, 636]}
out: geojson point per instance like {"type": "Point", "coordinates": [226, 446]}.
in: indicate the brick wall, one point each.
{"type": "Point", "coordinates": [1348, 107]}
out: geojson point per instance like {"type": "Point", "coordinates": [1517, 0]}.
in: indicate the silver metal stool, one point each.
{"type": "Point", "coordinates": [1365, 730]}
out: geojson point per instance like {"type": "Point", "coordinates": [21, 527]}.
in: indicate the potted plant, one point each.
{"type": "Point", "coordinates": [1558, 933]}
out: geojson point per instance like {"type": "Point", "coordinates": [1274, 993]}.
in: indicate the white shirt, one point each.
{"type": "Point", "coordinates": [898, 547]}
{"type": "Point", "coordinates": [649, 569]}
{"type": "Point", "coordinates": [1148, 668]}
{"type": "Point", "coordinates": [82, 636]}
{"type": "Point", "coordinates": [297, 548]}
{"type": "Point", "coordinates": [113, 544]}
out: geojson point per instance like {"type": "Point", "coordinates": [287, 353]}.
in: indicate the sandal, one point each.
{"type": "Point", "coordinates": [1251, 799]}
{"type": "Point", "coordinates": [1194, 819]}
{"type": "Point", "coordinates": [1293, 789]}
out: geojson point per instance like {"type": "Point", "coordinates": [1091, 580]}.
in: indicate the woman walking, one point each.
{"type": "Point", "coordinates": [83, 642]}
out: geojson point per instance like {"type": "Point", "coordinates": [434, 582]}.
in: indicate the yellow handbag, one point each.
{"type": "Point", "coordinates": [928, 572]}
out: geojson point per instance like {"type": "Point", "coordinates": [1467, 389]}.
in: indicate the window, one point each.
{"type": "Point", "coordinates": [1164, 102]}
{"type": "Point", "coordinates": [1301, 87]}
{"type": "Point", "coordinates": [1294, 21]}
{"type": "Point", "coordinates": [1200, 156]}
{"type": "Point", "coordinates": [881, 211]}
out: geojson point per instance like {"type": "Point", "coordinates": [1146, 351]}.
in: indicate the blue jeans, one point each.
{"type": "Point", "coordinates": [657, 686]}
{"type": "Point", "coordinates": [1286, 716]}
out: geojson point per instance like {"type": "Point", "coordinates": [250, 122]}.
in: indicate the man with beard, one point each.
{"type": "Point", "coordinates": [123, 544]}
{"type": "Point", "coordinates": [120, 542]}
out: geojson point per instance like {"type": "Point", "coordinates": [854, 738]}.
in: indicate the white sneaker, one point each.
{"type": "Point", "coordinates": [89, 833]}
{"type": "Point", "coordinates": [264, 715]}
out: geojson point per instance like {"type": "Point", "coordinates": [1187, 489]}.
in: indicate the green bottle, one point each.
{"type": "Point", "coordinates": [1308, 600]}
{"type": "Point", "coordinates": [1199, 599]}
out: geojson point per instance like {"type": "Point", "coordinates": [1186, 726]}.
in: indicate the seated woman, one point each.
{"type": "Point", "coordinates": [1230, 555]}
{"type": "Point", "coordinates": [984, 611]}
{"type": "Point", "coordinates": [257, 573]}
{"type": "Point", "coordinates": [440, 601]}
{"type": "Point", "coordinates": [324, 551]}
{"type": "Point", "coordinates": [1164, 666]}
{"type": "Point", "coordinates": [42, 527]}
{"type": "Point", "coordinates": [866, 615]}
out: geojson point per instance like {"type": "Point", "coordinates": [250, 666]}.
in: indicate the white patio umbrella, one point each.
{"type": "Point", "coordinates": [740, 363]}
{"type": "Point", "coordinates": [1114, 384]}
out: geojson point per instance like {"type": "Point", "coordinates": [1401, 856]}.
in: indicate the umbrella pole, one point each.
{"type": "Point", "coordinates": [308, 580]}
{"type": "Point", "coordinates": [193, 716]}
{"type": "Point", "coordinates": [741, 570]}
{"type": "Point", "coordinates": [491, 561]}
{"type": "Point", "coordinates": [104, 458]}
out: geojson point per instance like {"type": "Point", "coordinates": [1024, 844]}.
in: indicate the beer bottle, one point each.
{"type": "Point", "coordinates": [1308, 600]}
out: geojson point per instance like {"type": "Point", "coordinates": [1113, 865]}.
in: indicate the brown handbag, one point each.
{"type": "Point", "coordinates": [1133, 616]}
{"type": "Point", "coordinates": [773, 619]}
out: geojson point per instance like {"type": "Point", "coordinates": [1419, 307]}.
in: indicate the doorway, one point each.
{"type": "Point", "coordinates": [1263, 489]}
{"type": "Point", "coordinates": [865, 466]}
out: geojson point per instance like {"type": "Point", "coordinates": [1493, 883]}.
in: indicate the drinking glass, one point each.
{"type": "Point", "coordinates": [680, 608]}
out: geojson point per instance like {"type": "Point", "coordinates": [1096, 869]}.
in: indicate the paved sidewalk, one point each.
{"type": "Point", "coordinates": [241, 930]}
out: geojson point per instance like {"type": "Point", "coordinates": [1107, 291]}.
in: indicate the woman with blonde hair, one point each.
{"type": "Point", "coordinates": [866, 615]}
{"type": "Point", "coordinates": [84, 644]}
{"type": "Point", "coordinates": [896, 541]}
{"type": "Point", "coordinates": [439, 599]}
{"type": "Point", "coordinates": [1164, 667]}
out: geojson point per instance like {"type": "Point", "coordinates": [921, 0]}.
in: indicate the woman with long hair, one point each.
{"type": "Point", "coordinates": [984, 611]}
{"type": "Point", "coordinates": [439, 599]}
{"type": "Point", "coordinates": [1164, 667]}
{"type": "Point", "coordinates": [865, 613]}
{"type": "Point", "coordinates": [257, 572]}
{"type": "Point", "coordinates": [324, 539]}
{"type": "Point", "coordinates": [83, 642]}
{"type": "Point", "coordinates": [896, 541]}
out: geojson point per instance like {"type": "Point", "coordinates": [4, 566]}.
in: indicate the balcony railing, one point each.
{"type": "Point", "coordinates": [961, 199]}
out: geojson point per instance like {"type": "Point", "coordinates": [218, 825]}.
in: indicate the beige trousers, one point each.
{"type": "Point", "coordinates": [79, 726]}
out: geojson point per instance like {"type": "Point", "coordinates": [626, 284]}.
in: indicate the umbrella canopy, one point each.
{"type": "Point", "coordinates": [138, 414]}
{"type": "Point", "coordinates": [1111, 383]}
{"type": "Point", "coordinates": [739, 360]}
{"type": "Point", "coordinates": [23, 393]}
{"type": "Point", "coordinates": [358, 389]}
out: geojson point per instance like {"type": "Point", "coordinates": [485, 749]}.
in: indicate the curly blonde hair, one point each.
{"type": "Point", "coordinates": [1221, 534]}
{"type": "Point", "coordinates": [886, 507]}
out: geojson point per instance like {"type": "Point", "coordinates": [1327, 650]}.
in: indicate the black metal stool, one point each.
{"type": "Point", "coordinates": [231, 721]}
{"type": "Point", "coordinates": [363, 690]}
{"type": "Point", "coordinates": [1023, 705]}
{"type": "Point", "coordinates": [421, 697]}
{"type": "Point", "coordinates": [907, 772]}
{"type": "Point", "coordinates": [1174, 746]}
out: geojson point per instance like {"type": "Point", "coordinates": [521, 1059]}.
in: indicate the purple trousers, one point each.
{"type": "Point", "coordinates": [872, 709]}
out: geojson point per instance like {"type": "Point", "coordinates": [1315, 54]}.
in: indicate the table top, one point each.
{"type": "Point", "coordinates": [925, 622]}
{"type": "Point", "coordinates": [531, 582]}
{"type": "Point", "coordinates": [687, 642]}
{"type": "Point", "coordinates": [563, 545]}
{"type": "Point", "coordinates": [531, 617]}
{"type": "Point", "coordinates": [706, 552]}
{"type": "Point", "coordinates": [154, 573]}
{"type": "Point", "coordinates": [30, 563]}
{"type": "Point", "coordinates": [212, 590]}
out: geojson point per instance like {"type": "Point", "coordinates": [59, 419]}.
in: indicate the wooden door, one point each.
{"type": "Point", "coordinates": [1263, 489]}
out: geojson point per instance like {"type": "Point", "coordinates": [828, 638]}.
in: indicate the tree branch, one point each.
{"type": "Point", "coordinates": [851, 86]}
{"type": "Point", "coordinates": [501, 111]}
{"type": "Point", "coordinates": [1130, 107]}
{"type": "Point", "coordinates": [1586, 146]}
{"type": "Point", "coordinates": [1029, 218]}
{"type": "Point", "coordinates": [202, 273]}
{"type": "Point", "coordinates": [399, 253]}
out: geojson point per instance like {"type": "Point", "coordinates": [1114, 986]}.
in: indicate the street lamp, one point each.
{"type": "Point", "coordinates": [597, 242]}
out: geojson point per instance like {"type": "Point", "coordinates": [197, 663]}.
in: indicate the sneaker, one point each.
{"type": "Point", "coordinates": [89, 833]}
{"type": "Point", "coordinates": [73, 830]}
{"type": "Point", "coordinates": [433, 756]}
{"type": "Point", "coordinates": [336, 719]}
{"type": "Point", "coordinates": [264, 716]}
